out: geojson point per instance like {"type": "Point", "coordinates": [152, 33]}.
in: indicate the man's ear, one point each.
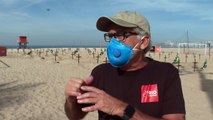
{"type": "Point", "coordinates": [145, 42]}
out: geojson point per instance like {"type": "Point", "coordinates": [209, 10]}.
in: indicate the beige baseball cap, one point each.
{"type": "Point", "coordinates": [124, 19]}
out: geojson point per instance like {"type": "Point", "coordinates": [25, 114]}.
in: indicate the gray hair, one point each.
{"type": "Point", "coordinates": [141, 34]}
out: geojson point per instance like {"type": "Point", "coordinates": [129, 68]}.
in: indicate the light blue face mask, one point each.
{"type": "Point", "coordinates": [118, 53]}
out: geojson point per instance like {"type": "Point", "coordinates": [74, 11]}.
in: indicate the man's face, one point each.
{"type": "Point", "coordinates": [129, 38]}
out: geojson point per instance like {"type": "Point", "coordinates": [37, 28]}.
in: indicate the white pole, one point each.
{"type": "Point", "coordinates": [178, 47]}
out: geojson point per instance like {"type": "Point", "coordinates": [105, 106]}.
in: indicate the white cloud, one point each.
{"type": "Point", "coordinates": [19, 3]}
{"type": "Point", "coordinates": [8, 2]}
{"type": "Point", "coordinates": [33, 2]}
{"type": "Point", "coordinates": [14, 16]}
{"type": "Point", "coordinates": [197, 8]}
{"type": "Point", "coordinates": [21, 15]}
{"type": "Point", "coordinates": [17, 9]}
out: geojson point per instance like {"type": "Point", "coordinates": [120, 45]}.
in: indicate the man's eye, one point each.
{"type": "Point", "coordinates": [118, 35]}
{"type": "Point", "coordinates": [111, 35]}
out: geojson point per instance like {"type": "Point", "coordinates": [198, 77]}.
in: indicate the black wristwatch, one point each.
{"type": "Point", "coordinates": [128, 112]}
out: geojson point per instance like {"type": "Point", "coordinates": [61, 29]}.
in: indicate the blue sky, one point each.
{"type": "Point", "coordinates": [73, 22]}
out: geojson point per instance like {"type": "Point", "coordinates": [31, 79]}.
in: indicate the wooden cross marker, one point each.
{"type": "Point", "coordinates": [56, 54]}
{"type": "Point", "coordinates": [73, 55]}
{"type": "Point", "coordinates": [195, 64]}
{"type": "Point", "coordinates": [39, 53]}
{"type": "Point", "coordinates": [106, 60]}
{"type": "Point", "coordinates": [159, 55]}
{"type": "Point", "coordinates": [78, 58]}
{"type": "Point", "coordinates": [46, 52]}
{"type": "Point", "coordinates": [186, 56]}
{"type": "Point", "coordinates": [97, 58]}
{"type": "Point", "coordinates": [93, 54]}
{"type": "Point", "coordinates": [165, 58]}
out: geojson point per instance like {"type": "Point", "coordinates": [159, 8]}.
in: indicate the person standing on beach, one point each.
{"type": "Point", "coordinates": [131, 86]}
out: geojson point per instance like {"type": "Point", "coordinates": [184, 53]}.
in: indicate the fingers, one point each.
{"type": "Point", "coordinates": [87, 95]}
{"type": "Point", "coordinates": [91, 96]}
{"type": "Point", "coordinates": [90, 108]}
{"type": "Point", "coordinates": [74, 93]}
{"type": "Point", "coordinates": [87, 101]}
{"type": "Point", "coordinates": [73, 90]}
{"type": "Point", "coordinates": [88, 98]}
{"type": "Point", "coordinates": [88, 80]}
{"type": "Point", "coordinates": [91, 89]}
{"type": "Point", "coordinates": [73, 87]}
{"type": "Point", "coordinates": [101, 100]}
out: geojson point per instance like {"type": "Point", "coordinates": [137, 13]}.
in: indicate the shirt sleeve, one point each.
{"type": "Point", "coordinates": [95, 77]}
{"type": "Point", "coordinates": [173, 96]}
{"type": "Point", "coordinates": [98, 77]}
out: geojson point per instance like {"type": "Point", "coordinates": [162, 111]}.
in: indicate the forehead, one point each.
{"type": "Point", "coordinates": [115, 28]}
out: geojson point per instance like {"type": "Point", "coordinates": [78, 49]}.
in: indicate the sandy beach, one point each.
{"type": "Point", "coordinates": [32, 83]}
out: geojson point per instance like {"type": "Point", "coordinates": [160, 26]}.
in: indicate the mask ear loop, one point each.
{"type": "Point", "coordinates": [134, 48]}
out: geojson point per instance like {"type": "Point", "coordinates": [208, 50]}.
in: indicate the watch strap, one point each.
{"type": "Point", "coordinates": [128, 112]}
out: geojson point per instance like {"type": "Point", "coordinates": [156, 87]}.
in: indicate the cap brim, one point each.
{"type": "Point", "coordinates": [103, 23]}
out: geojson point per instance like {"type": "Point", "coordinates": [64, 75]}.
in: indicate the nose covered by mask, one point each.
{"type": "Point", "coordinates": [118, 53]}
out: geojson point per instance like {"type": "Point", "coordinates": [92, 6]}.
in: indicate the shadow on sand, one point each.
{"type": "Point", "coordinates": [11, 94]}
{"type": "Point", "coordinates": [183, 70]}
{"type": "Point", "coordinates": [207, 85]}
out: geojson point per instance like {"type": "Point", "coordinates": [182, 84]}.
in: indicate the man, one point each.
{"type": "Point", "coordinates": [131, 86]}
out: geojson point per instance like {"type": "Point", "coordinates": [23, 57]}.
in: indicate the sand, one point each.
{"type": "Point", "coordinates": [32, 87]}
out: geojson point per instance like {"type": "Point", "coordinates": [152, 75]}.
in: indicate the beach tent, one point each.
{"type": "Point", "coordinates": [3, 51]}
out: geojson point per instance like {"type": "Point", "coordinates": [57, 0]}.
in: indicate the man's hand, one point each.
{"type": "Point", "coordinates": [101, 100]}
{"type": "Point", "coordinates": [72, 89]}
